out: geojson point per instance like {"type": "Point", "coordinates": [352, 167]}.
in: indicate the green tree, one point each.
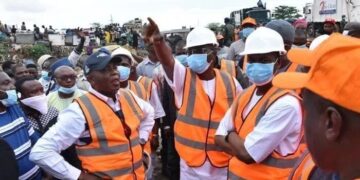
{"type": "Point", "coordinates": [286, 12]}
{"type": "Point", "coordinates": [216, 27]}
{"type": "Point", "coordinates": [95, 25]}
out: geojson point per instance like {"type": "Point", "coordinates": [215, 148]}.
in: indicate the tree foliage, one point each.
{"type": "Point", "coordinates": [286, 12]}
{"type": "Point", "coordinates": [216, 27]}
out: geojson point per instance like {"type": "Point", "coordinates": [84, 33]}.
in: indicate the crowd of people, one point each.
{"type": "Point", "coordinates": [247, 103]}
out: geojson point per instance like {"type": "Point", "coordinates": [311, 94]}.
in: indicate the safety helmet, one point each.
{"type": "Point", "coordinates": [263, 40]}
{"type": "Point", "coordinates": [123, 52]}
{"type": "Point", "coordinates": [317, 41]}
{"type": "Point", "coordinates": [200, 36]}
{"type": "Point", "coordinates": [42, 59]}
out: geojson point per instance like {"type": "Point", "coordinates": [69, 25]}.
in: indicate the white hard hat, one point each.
{"type": "Point", "coordinates": [200, 36]}
{"type": "Point", "coordinates": [42, 59]}
{"type": "Point", "coordinates": [263, 40]}
{"type": "Point", "coordinates": [317, 41]}
{"type": "Point", "coordinates": [123, 52]}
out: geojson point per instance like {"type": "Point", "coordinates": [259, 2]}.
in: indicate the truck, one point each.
{"type": "Point", "coordinates": [260, 13]}
{"type": "Point", "coordinates": [342, 11]}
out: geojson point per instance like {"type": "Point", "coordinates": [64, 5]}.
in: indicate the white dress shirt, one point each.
{"type": "Point", "coordinates": [279, 129]}
{"type": "Point", "coordinates": [205, 171]}
{"type": "Point", "coordinates": [67, 131]}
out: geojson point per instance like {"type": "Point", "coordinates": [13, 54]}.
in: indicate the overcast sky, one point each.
{"type": "Point", "coordinates": [169, 14]}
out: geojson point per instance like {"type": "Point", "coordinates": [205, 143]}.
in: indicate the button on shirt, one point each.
{"type": "Point", "coordinates": [70, 128]}
{"type": "Point", "coordinates": [278, 130]}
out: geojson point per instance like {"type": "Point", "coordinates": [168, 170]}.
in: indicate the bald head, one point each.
{"type": "Point", "coordinates": [63, 70]}
{"type": "Point", "coordinates": [65, 76]}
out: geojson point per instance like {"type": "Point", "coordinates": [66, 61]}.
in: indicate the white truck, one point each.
{"type": "Point", "coordinates": [341, 10]}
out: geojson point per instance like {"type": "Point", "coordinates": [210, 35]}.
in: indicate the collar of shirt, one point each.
{"type": "Point", "coordinates": [148, 61]}
{"type": "Point", "coordinates": [114, 105]}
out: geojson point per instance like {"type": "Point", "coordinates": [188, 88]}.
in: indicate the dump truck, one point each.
{"type": "Point", "coordinates": [260, 13]}
{"type": "Point", "coordinates": [342, 11]}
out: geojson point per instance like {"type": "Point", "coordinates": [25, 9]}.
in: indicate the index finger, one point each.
{"type": "Point", "coordinates": [152, 22]}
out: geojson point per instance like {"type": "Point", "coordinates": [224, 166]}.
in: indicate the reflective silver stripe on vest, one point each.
{"type": "Point", "coordinates": [196, 144]}
{"type": "Point", "coordinates": [100, 133]}
{"type": "Point", "coordinates": [129, 99]}
{"type": "Point", "coordinates": [119, 172]}
{"type": "Point", "coordinates": [264, 108]}
{"type": "Point", "coordinates": [138, 90]}
{"type": "Point", "coordinates": [147, 83]}
{"type": "Point", "coordinates": [108, 150]}
{"type": "Point", "coordinates": [197, 122]}
{"type": "Point", "coordinates": [232, 176]}
{"type": "Point", "coordinates": [229, 67]}
{"type": "Point", "coordinates": [280, 163]}
{"type": "Point", "coordinates": [227, 83]}
{"type": "Point", "coordinates": [104, 148]}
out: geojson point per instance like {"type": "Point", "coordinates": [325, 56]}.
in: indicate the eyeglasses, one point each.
{"type": "Point", "coordinates": [199, 51]}
{"type": "Point", "coordinates": [69, 77]}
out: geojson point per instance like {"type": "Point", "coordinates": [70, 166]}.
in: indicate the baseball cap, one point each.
{"type": "Point", "coordinates": [97, 61]}
{"type": "Point", "coordinates": [330, 20]}
{"type": "Point", "coordinates": [334, 73]}
{"type": "Point", "coordinates": [249, 20]}
{"type": "Point", "coordinates": [284, 28]}
{"type": "Point", "coordinates": [61, 62]}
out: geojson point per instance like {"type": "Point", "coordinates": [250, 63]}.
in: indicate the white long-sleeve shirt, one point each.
{"type": "Point", "coordinates": [205, 171]}
{"type": "Point", "coordinates": [279, 129]}
{"type": "Point", "coordinates": [67, 131]}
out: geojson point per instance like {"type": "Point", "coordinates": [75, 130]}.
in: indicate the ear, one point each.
{"type": "Point", "coordinates": [333, 124]}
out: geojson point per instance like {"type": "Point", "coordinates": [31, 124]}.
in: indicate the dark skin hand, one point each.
{"type": "Point", "coordinates": [163, 51]}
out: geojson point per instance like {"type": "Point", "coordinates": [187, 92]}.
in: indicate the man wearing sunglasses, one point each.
{"type": "Point", "coordinates": [202, 95]}
{"type": "Point", "coordinates": [109, 129]}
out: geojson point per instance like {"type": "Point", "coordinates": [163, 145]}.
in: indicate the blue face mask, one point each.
{"type": "Point", "coordinates": [124, 73]}
{"type": "Point", "coordinates": [11, 98]}
{"type": "Point", "coordinates": [246, 32]}
{"type": "Point", "coordinates": [67, 90]}
{"type": "Point", "coordinates": [45, 75]}
{"type": "Point", "coordinates": [198, 63]}
{"type": "Point", "coordinates": [182, 59]}
{"type": "Point", "coordinates": [260, 74]}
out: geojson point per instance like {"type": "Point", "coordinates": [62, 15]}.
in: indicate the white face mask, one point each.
{"type": "Point", "coordinates": [38, 103]}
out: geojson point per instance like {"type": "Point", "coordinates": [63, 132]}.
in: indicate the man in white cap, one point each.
{"type": "Point", "coordinates": [202, 94]}
{"type": "Point", "coordinates": [262, 129]}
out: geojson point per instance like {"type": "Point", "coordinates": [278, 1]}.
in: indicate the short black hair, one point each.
{"type": "Point", "coordinates": [16, 66]}
{"type": "Point", "coordinates": [7, 65]}
{"type": "Point", "coordinates": [21, 81]}
{"type": "Point", "coordinates": [31, 66]}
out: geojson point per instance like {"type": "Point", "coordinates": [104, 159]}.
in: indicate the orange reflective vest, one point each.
{"type": "Point", "coordinates": [139, 90]}
{"type": "Point", "coordinates": [228, 66]}
{"type": "Point", "coordinates": [275, 166]}
{"type": "Point", "coordinates": [198, 120]}
{"type": "Point", "coordinates": [147, 83]}
{"type": "Point", "coordinates": [303, 168]}
{"type": "Point", "coordinates": [111, 154]}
